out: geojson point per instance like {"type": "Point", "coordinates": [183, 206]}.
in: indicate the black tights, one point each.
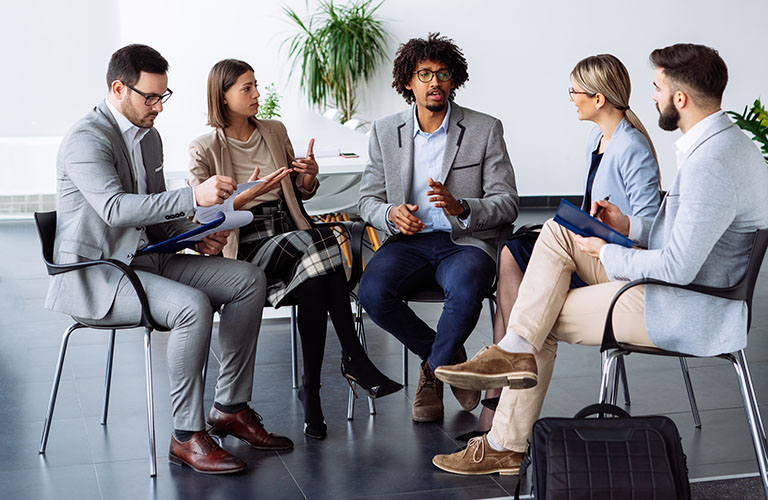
{"type": "Point", "coordinates": [319, 297]}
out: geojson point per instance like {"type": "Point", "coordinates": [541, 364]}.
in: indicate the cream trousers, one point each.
{"type": "Point", "coordinates": [546, 312]}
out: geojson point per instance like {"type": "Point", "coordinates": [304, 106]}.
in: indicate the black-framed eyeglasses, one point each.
{"type": "Point", "coordinates": [151, 99]}
{"type": "Point", "coordinates": [426, 75]}
{"type": "Point", "coordinates": [572, 91]}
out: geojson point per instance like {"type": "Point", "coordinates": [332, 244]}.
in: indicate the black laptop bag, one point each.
{"type": "Point", "coordinates": [624, 458]}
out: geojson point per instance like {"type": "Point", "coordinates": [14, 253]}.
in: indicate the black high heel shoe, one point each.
{"type": "Point", "coordinates": [360, 370]}
{"type": "Point", "coordinates": [314, 422]}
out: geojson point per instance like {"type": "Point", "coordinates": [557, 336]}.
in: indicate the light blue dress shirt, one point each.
{"type": "Point", "coordinates": [428, 151]}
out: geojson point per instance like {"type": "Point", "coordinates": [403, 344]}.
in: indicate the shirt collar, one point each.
{"type": "Point", "coordinates": [130, 132]}
{"type": "Point", "coordinates": [443, 126]}
{"type": "Point", "coordinates": [691, 138]}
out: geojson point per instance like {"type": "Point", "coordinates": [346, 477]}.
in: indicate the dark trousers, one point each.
{"type": "Point", "coordinates": [411, 263]}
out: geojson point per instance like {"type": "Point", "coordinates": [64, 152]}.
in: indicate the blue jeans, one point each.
{"type": "Point", "coordinates": [412, 263]}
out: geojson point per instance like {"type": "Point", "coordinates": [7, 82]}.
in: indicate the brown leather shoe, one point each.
{"type": "Point", "coordinates": [467, 398]}
{"type": "Point", "coordinates": [492, 368]}
{"type": "Point", "coordinates": [247, 427]}
{"type": "Point", "coordinates": [428, 401]}
{"type": "Point", "coordinates": [479, 458]}
{"type": "Point", "coordinates": [203, 455]}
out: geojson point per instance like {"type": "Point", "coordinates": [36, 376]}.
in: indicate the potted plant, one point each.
{"type": "Point", "coordinates": [270, 105]}
{"type": "Point", "coordinates": [755, 121]}
{"type": "Point", "coordinates": [337, 49]}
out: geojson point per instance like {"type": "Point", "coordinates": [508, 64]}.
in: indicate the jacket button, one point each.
{"type": "Point", "coordinates": [130, 255]}
{"type": "Point", "coordinates": [167, 217]}
{"type": "Point", "coordinates": [181, 214]}
{"type": "Point", "coordinates": [139, 228]}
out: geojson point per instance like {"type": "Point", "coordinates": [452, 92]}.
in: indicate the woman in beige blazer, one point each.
{"type": "Point", "coordinates": [299, 260]}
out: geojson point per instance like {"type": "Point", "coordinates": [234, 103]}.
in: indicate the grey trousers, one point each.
{"type": "Point", "coordinates": [183, 292]}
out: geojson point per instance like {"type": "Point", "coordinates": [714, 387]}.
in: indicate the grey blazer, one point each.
{"type": "Point", "coordinates": [476, 167]}
{"type": "Point", "coordinates": [702, 234]}
{"type": "Point", "coordinates": [99, 214]}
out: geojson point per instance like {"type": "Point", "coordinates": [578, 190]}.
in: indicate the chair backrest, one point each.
{"type": "Point", "coordinates": [756, 256]}
{"type": "Point", "coordinates": [46, 230]}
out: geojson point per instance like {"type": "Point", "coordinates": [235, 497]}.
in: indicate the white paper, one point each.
{"type": "Point", "coordinates": [232, 218]}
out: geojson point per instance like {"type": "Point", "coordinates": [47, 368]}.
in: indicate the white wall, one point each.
{"type": "Point", "coordinates": [54, 57]}
{"type": "Point", "coordinates": [520, 55]}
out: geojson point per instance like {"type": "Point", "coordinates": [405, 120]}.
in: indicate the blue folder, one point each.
{"type": "Point", "coordinates": [173, 245]}
{"type": "Point", "coordinates": [580, 222]}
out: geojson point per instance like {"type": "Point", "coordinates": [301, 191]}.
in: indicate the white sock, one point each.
{"type": "Point", "coordinates": [515, 343]}
{"type": "Point", "coordinates": [494, 445]}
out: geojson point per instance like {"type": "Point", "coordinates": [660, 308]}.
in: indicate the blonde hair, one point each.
{"type": "Point", "coordinates": [605, 74]}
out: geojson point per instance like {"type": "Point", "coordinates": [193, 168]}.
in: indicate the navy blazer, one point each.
{"type": "Point", "coordinates": [628, 171]}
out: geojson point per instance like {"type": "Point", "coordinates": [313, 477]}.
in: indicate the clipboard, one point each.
{"type": "Point", "coordinates": [580, 222]}
{"type": "Point", "coordinates": [184, 240]}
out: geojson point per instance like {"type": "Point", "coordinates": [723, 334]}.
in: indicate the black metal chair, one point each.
{"type": "Point", "coordinates": [46, 228]}
{"type": "Point", "coordinates": [612, 349]}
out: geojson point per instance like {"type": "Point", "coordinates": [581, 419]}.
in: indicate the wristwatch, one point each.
{"type": "Point", "coordinates": [463, 215]}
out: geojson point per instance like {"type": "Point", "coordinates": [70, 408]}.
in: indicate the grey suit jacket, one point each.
{"type": "Point", "coordinates": [99, 214]}
{"type": "Point", "coordinates": [476, 167]}
{"type": "Point", "coordinates": [702, 234]}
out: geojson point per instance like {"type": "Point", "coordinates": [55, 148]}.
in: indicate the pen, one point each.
{"type": "Point", "coordinates": [600, 207]}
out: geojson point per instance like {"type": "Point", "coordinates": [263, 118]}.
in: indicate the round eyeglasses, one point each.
{"type": "Point", "coordinates": [426, 75]}
{"type": "Point", "coordinates": [151, 99]}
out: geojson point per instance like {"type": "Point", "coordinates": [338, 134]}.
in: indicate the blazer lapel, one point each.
{"type": "Point", "coordinates": [453, 140]}
{"type": "Point", "coordinates": [124, 169]}
{"type": "Point", "coordinates": [405, 144]}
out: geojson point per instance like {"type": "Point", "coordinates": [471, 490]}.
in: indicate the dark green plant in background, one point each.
{"type": "Point", "coordinates": [337, 49]}
{"type": "Point", "coordinates": [269, 107]}
{"type": "Point", "coordinates": [755, 121]}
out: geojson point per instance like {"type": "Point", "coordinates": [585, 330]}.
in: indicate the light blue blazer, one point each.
{"type": "Point", "coordinates": [628, 171]}
{"type": "Point", "coordinates": [702, 234]}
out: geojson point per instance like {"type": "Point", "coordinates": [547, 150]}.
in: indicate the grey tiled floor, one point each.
{"type": "Point", "coordinates": [375, 457]}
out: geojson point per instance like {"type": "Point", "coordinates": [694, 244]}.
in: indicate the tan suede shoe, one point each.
{"type": "Point", "coordinates": [467, 398]}
{"type": "Point", "coordinates": [479, 458]}
{"type": "Point", "coordinates": [428, 401]}
{"type": "Point", "coordinates": [492, 368]}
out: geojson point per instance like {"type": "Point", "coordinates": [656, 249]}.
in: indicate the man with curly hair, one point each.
{"type": "Point", "coordinates": [440, 184]}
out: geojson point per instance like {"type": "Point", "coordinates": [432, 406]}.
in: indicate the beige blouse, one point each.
{"type": "Point", "coordinates": [252, 153]}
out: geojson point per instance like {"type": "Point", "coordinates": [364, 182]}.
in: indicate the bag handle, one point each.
{"type": "Point", "coordinates": [601, 408]}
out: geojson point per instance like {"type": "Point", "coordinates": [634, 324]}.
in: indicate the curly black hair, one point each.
{"type": "Point", "coordinates": [435, 48]}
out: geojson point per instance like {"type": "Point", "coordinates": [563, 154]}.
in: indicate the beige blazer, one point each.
{"type": "Point", "coordinates": [209, 155]}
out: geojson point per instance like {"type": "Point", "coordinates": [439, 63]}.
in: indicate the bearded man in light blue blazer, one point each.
{"type": "Point", "coordinates": [702, 234]}
{"type": "Point", "coordinates": [112, 203]}
{"type": "Point", "coordinates": [440, 184]}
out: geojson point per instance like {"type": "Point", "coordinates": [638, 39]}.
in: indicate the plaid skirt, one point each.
{"type": "Point", "coordinates": [288, 256]}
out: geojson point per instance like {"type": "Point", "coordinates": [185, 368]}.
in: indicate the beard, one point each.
{"type": "Point", "coordinates": [669, 118]}
{"type": "Point", "coordinates": [436, 108]}
{"type": "Point", "coordinates": [140, 118]}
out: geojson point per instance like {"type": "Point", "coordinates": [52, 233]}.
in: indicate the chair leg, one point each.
{"type": "Point", "coordinates": [492, 309]}
{"type": "Point", "coordinates": [150, 403]}
{"type": "Point", "coordinates": [360, 329]}
{"type": "Point", "coordinates": [294, 349]}
{"type": "Point", "coordinates": [405, 365]}
{"type": "Point", "coordinates": [108, 376]}
{"type": "Point", "coordinates": [624, 382]}
{"type": "Point", "coordinates": [754, 420]}
{"type": "Point", "coordinates": [606, 365]}
{"type": "Point", "coordinates": [691, 395]}
{"type": "Point", "coordinates": [55, 388]}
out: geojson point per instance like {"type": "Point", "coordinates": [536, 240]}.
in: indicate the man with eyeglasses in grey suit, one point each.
{"type": "Point", "coordinates": [440, 184]}
{"type": "Point", "coordinates": [112, 203]}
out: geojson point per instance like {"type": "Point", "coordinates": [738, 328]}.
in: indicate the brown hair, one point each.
{"type": "Point", "coordinates": [222, 76]}
{"type": "Point", "coordinates": [698, 68]}
{"type": "Point", "coordinates": [605, 74]}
